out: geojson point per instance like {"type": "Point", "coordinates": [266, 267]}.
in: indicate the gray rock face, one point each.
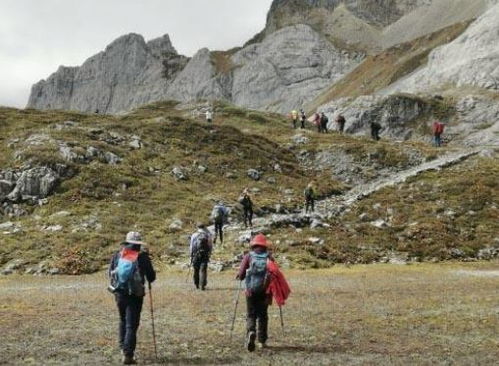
{"type": "Point", "coordinates": [129, 73]}
{"type": "Point", "coordinates": [36, 182]}
{"type": "Point", "coordinates": [472, 59]}
{"type": "Point", "coordinates": [394, 113]}
{"type": "Point", "coordinates": [288, 69]}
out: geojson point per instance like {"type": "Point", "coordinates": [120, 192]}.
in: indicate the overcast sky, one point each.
{"type": "Point", "coordinates": [36, 36]}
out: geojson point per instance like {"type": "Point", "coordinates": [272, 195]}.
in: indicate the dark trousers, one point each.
{"type": "Point", "coordinates": [257, 307]}
{"type": "Point", "coordinates": [319, 127]}
{"type": "Point", "coordinates": [437, 140]}
{"type": "Point", "coordinates": [248, 217]}
{"type": "Point", "coordinates": [129, 307]}
{"type": "Point", "coordinates": [302, 124]}
{"type": "Point", "coordinates": [294, 123]}
{"type": "Point", "coordinates": [309, 205]}
{"type": "Point", "coordinates": [341, 126]}
{"type": "Point", "coordinates": [219, 232]}
{"type": "Point", "coordinates": [375, 134]}
{"type": "Point", "coordinates": [324, 127]}
{"type": "Point", "coordinates": [201, 273]}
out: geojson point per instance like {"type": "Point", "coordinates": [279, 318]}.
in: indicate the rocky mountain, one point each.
{"type": "Point", "coordinates": [311, 53]}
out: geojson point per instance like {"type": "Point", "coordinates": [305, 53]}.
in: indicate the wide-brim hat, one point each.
{"type": "Point", "coordinates": [259, 240]}
{"type": "Point", "coordinates": [134, 237]}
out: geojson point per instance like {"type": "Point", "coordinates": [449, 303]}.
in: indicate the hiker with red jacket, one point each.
{"type": "Point", "coordinates": [438, 130]}
{"type": "Point", "coordinates": [263, 281]}
{"type": "Point", "coordinates": [128, 270]}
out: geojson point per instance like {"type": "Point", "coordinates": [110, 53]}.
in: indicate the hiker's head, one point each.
{"type": "Point", "coordinates": [259, 241]}
{"type": "Point", "coordinates": [134, 237]}
{"type": "Point", "coordinates": [201, 225]}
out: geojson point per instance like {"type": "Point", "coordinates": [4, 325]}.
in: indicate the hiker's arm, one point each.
{"type": "Point", "coordinates": [147, 267]}
{"type": "Point", "coordinates": [112, 265]}
{"type": "Point", "coordinates": [241, 275]}
{"type": "Point", "coordinates": [191, 246]}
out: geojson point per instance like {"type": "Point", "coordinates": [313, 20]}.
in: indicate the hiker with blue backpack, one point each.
{"type": "Point", "coordinates": [200, 249]}
{"type": "Point", "coordinates": [129, 269]}
{"type": "Point", "coordinates": [219, 216]}
{"type": "Point", "coordinates": [264, 281]}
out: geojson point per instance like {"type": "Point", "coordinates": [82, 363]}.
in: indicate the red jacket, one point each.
{"type": "Point", "coordinates": [278, 286]}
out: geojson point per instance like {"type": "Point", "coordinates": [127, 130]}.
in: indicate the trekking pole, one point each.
{"type": "Point", "coordinates": [235, 308]}
{"type": "Point", "coordinates": [152, 322]}
{"type": "Point", "coordinates": [188, 272]}
{"type": "Point", "coordinates": [282, 319]}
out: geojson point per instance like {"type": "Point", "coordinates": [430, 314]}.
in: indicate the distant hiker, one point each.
{"type": "Point", "coordinates": [209, 116]}
{"type": "Point", "coordinates": [375, 129]}
{"type": "Point", "coordinates": [316, 120]}
{"type": "Point", "coordinates": [324, 122]}
{"type": "Point", "coordinates": [340, 120]}
{"type": "Point", "coordinates": [247, 203]}
{"type": "Point", "coordinates": [97, 111]}
{"type": "Point", "coordinates": [438, 130]}
{"type": "Point", "coordinates": [200, 251]}
{"type": "Point", "coordinates": [303, 118]}
{"type": "Point", "coordinates": [294, 118]}
{"type": "Point", "coordinates": [129, 269]}
{"type": "Point", "coordinates": [263, 281]}
{"type": "Point", "coordinates": [219, 215]}
{"type": "Point", "coordinates": [309, 198]}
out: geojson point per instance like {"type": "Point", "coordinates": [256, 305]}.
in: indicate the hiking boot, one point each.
{"type": "Point", "coordinates": [262, 345]}
{"type": "Point", "coordinates": [129, 360]}
{"type": "Point", "coordinates": [250, 342]}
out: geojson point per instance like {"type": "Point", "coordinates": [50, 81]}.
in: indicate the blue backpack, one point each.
{"type": "Point", "coordinates": [126, 275]}
{"type": "Point", "coordinates": [256, 274]}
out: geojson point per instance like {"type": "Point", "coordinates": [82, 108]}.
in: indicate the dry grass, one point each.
{"type": "Point", "coordinates": [369, 315]}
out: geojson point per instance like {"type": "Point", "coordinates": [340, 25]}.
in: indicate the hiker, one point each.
{"type": "Point", "coordinates": [294, 118]}
{"type": "Point", "coordinates": [209, 116]}
{"type": "Point", "coordinates": [247, 203]}
{"type": "Point", "coordinates": [340, 120]}
{"type": "Point", "coordinates": [253, 269]}
{"type": "Point", "coordinates": [219, 215]}
{"type": "Point", "coordinates": [438, 129]}
{"type": "Point", "coordinates": [263, 281]}
{"type": "Point", "coordinates": [303, 118]}
{"type": "Point", "coordinates": [129, 269]}
{"type": "Point", "coordinates": [324, 121]}
{"type": "Point", "coordinates": [375, 130]}
{"type": "Point", "coordinates": [316, 119]}
{"type": "Point", "coordinates": [309, 198]}
{"type": "Point", "coordinates": [200, 249]}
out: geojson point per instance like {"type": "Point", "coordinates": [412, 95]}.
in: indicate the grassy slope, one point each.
{"type": "Point", "coordinates": [379, 71]}
{"type": "Point", "coordinates": [141, 194]}
{"type": "Point", "coordinates": [363, 315]}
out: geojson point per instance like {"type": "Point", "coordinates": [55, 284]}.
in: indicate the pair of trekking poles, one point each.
{"type": "Point", "coordinates": [236, 303]}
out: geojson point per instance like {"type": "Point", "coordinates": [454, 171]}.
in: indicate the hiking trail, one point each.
{"type": "Point", "coordinates": [333, 206]}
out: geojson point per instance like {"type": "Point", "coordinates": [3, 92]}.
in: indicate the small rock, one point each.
{"type": "Point", "coordinates": [277, 168]}
{"type": "Point", "coordinates": [179, 174]}
{"type": "Point", "coordinates": [230, 175]}
{"type": "Point", "coordinates": [254, 174]}
{"type": "Point", "coordinates": [111, 158]}
{"type": "Point", "coordinates": [202, 169]}
{"type": "Point", "coordinates": [364, 217]}
{"type": "Point", "coordinates": [271, 180]}
{"type": "Point", "coordinates": [316, 223]}
{"type": "Point", "coordinates": [316, 241]}
{"type": "Point", "coordinates": [300, 139]}
{"type": "Point", "coordinates": [53, 228]}
{"type": "Point", "coordinates": [61, 214]}
{"type": "Point", "coordinates": [380, 224]}
{"type": "Point", "coordinates": [135, 142]}
{"type": "Point", "coordinates": [176, 225]}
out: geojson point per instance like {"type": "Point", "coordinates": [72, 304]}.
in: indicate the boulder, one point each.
{"type": "Point", "coordinates": [179, 174]}
{"type": "Point", "coordinates": [37, 182]}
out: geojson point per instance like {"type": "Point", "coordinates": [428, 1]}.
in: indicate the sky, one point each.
{"type": "Point", "coordinates": [37, 36]}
